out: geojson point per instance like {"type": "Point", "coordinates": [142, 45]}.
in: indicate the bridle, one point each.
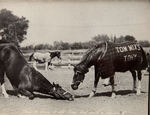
{"type": "Point", "coordinates": [55, 91]}
{"type": "Point", "coordinates": [79, 81]}
{"type": "Point", "coordinates": [65, 93]}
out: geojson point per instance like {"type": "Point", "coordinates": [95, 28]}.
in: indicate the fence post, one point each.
{"type": "Point", "coordinates": [70, 56]}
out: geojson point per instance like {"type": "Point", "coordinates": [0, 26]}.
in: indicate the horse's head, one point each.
{"type": "Point", "coordinates": [55, 54]}
{"type": "Point", "coordinates": [58, 54]}
{"type": "Point", "coordinates": [78, 77]}
{"type": "Point", "coordinates": [60, 93]}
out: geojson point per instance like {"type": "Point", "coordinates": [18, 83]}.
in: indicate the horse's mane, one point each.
{"type": "Point", "coordinates": [91, 52]}
{"type": "Point", "coordinates": [4, 41]}
{"type": "Point", "coordinates": [90, 57]}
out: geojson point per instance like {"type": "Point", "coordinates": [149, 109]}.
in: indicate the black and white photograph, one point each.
{"type": "Point", "coordinates": [75, 57]}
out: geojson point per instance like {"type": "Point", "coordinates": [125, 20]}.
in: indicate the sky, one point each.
{"type": "Point", "coordinates": [80, 21]}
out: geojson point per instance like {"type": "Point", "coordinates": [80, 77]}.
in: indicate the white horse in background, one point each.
{"type": "Point", "coordinates": [44, 58]}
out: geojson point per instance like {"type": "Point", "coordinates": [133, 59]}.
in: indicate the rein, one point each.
{"type": "Point", "coordinates": [65, 93]}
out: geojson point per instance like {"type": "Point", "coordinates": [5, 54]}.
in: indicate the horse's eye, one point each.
{"type": "Point", "coordinates": [79, 73]}
{"type": "Point", "coordinates": [54, 88]}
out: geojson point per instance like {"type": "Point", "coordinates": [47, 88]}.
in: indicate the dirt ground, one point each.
{"type": "Point", "coordinates": [125, 103]}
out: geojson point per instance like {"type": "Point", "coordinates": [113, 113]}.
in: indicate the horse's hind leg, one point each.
{"type": "Point", "coordinates": [134, 79]}
{"type": "Point", "coordinates": [2, 84]}
{"type": "Point", "coordinates": [49, 65]}
{"type": "Point", "coordinates": [138, 91]}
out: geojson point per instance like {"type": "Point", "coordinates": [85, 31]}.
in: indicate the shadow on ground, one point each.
{"type": "Point", "coordinates": [37, 95]}
{"type": "Point", "coordinates": [108, 94]}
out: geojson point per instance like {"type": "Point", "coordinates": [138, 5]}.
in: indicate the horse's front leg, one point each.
{"type": "Point", "coordinates": [138, 91]}
{"type": "Point", "coordinates": [95, 83]}
{"type": "Point", "coordinates": [34, 65]}
{"type": "Point", "coordinates": [112, 81]}
{"type": "Point", "coordinates": [25, 92]}
{"type": "Point", "coordinates": [4, 91]}
{"type": "Point", "coordinates": [134, 79]}
{"type": "Point", "coordinates": [46, 66]}
{"type": "Point", "coordinates": [2, 84]}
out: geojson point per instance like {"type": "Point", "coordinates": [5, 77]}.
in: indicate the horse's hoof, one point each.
{"type": "Point", "coordinates": [31, 97]}
{"type": "Point", "coordinates": [113, 95]}
{"type": "Point", "coordinates": [138, 92]}
{"type": "Point", "coordinates": [70, 99]}
{"type": "Point", "coordinates": [6, 96]}
{"type": "Point", "coordinates": [91, 95]}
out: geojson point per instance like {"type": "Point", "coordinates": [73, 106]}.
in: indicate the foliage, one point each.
{"type": "Point", "coordinates": [60, 45]}
{"type": "Point", "coordinates": [144, 43]}
{"type": "Point", "coordinates": [43, 46]}
{"type": "Point", "coordinates": [100, 38]}
{"type": "Point", "coordinates": [129, 38]}
{"type": "Point", "coordinates": [12, 28]}
{"type": "Point", "coordinates": [124, 39]}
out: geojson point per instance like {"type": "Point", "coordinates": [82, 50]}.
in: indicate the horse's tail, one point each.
{"type": "Point", "coordinates": [145, 63]}
{"type": "Point", "coordinates": [31, 56]}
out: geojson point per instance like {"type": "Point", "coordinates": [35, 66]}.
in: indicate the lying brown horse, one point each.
{"type": "Point", "coordinates": [24, 78]}
{"type": "Point", "coordinates": [108, 58]}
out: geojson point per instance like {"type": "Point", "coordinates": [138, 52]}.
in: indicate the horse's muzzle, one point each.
{"type": "Point", "coordinates": [74, 87]}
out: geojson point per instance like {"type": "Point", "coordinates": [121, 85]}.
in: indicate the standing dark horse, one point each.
{"type": "Point", "coordinates": [44, 58]}
{"type": "Point", "coordinates": [24, 78]}
{"type": "Point", "coordinates": [109, 58]}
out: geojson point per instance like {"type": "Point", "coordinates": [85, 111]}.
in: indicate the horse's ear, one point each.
{"type": "Point", "coordinates": [54, 88]}
{"type": "Point", "coordinates": [73, 65]}
{"type": "Point", "coordinates": [53, 84]}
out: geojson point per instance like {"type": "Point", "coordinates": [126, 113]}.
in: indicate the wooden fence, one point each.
{"type": "Point", "coordinates": [69, 57]}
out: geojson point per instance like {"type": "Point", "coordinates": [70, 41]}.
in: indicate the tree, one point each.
{"type": "Point", "coordinates": [125, 39]}
{"type": "Point", "coordinates": [60, 45]}
{"type": "Point", "coordinates": [144, 43]}
{"type": "Point", "coordinates": [120, 39]}
{"type": "Point", "coordinates": [129, 38]}
{"type": "Point", "coordinates": [30, 47]}
{"type": "Point", "coordinates": [101, 38]}
{"type": "Point", "coordinates": [76, 45]}
{"type": "Point", "coordinates": [12, 28]}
